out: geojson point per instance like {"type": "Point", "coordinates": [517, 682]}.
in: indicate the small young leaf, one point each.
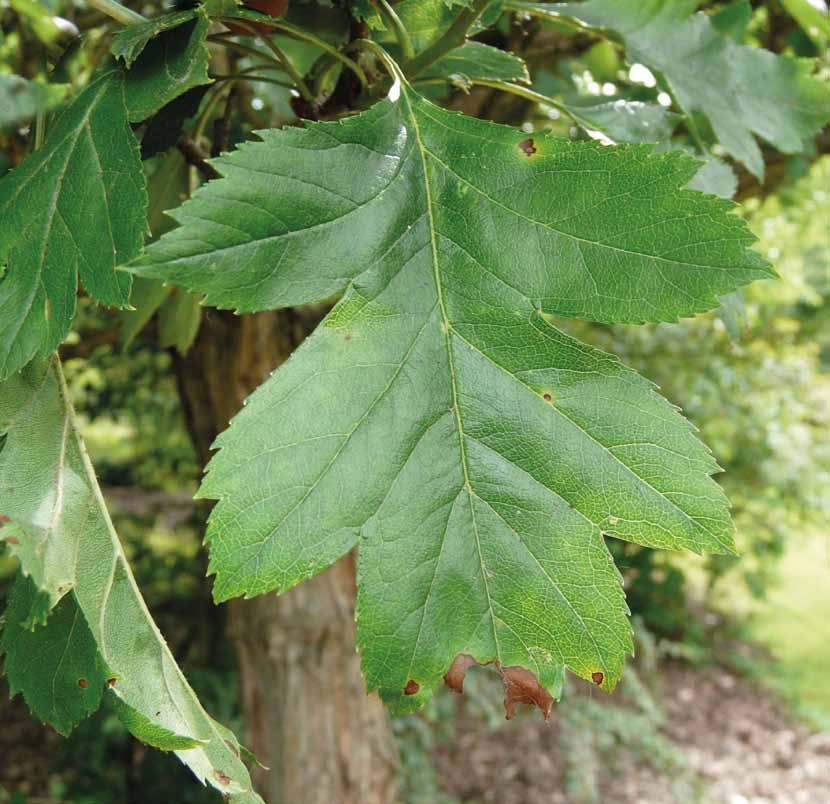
{"type": "Point", "coordinates": [75, 206]}
{"type": "Point", "coordinates": [475, 452]}
{"type": "Point", "coordinates": [67, 545]}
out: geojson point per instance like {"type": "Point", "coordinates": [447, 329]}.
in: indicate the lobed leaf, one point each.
{"type": "Point", "coordinates": [57, 668]}
{"type": "Point", "coordinates": [98, 627]}
{"type": "Point", "coordinates": [48, 237]}
{"type": "Point", "coordinates": [437, 418]}
{"type": "Point", "coordinates": [166, 57]}
{"type": "Point", "coordinates": [742, 90]}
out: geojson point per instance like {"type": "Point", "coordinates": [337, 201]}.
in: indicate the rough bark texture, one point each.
{"type": "Point", "coordinates": [306, 711]}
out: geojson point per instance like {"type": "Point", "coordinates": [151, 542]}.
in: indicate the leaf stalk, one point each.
{"type": "Point", "coordinates": [117, 11]}
{"type": "Point", "coordinates": [453, 37]}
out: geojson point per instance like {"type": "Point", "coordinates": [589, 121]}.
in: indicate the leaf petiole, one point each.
{"type": "Point", "coordinates": [453, 37]}
{"type": "Point", "coordinates": [389, 16]}
{"type": "Point", "coordinates": [118, 12]}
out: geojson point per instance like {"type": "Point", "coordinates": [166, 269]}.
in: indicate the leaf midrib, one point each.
{"type": "Point", "coordinates": [118, 551]}
{"type": "Point", "coordinates": [446, 328]}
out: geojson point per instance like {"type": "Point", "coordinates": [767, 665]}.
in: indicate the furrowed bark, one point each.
{"type": "Point", "coordinates": [306, 711]}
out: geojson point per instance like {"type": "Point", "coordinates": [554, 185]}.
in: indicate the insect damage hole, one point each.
{"type": "Point", "coordinates": [548, 397]}
{"type": "Point", "coordinates": [528, 147]}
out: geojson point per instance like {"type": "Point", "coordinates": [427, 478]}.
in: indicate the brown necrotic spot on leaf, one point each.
{"type": "Point", "coordinates": [222, 778]}
{"type": "Point", "coordinates": [454, 677]}
{"type": "Point", "coordinates": [83, 683]}
{"type": "Point", "coordinates": [111, 681]}
{"type": "Point", "coordinates": [527, 147]}
{"type": "Point", "coordinates": [598, 678]}
{"type": "Point", "coordinates": [13, 540]}
{"type": "Point", "coordinates": [232, 747]}
{"type": "Point", "coordinates": [3, 520]}
{"type": "Point", "coordinates": [411, 687]}
{"type": "Point", "coordinates": [522, 687]}
{"type": "Point", "coordinates": [548, 397]}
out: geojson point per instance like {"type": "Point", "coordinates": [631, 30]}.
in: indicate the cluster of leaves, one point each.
{"type": "Point", "coordinates": [437, 419]}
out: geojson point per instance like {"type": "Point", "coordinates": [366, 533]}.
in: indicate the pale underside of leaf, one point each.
{"type": "Point", "coordinates": [475, 452]}
{"type": "Point", "coordinates": [67, 546]}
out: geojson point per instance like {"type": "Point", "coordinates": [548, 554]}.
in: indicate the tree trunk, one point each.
{"type": "Point", "coordinates": [306, 711]}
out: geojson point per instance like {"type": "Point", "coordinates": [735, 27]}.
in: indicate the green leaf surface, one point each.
{"type": "Point", "coordinates": [75, 206]}
{"type": "Point", "coordinates": [129, 43]}
{"type": "Point", "coordinates": [814, 21]}
{"type": "Point", "coordinates": [475, 61]}
{"type": "Point", "coordinates": [56, 666]}
{"type": "Point", "coordinates": [426, 20]}
{"type": "Point", "coordinates": [167, 186]}
{"type": "Point", "coordinates": [166, 57]}
{"type": "Point", "coordinates": [742, 90]}
{"type": "Point", "coordinates": [475, 452]}
{"type": "Point", "coordinates": [733, 19]}
{"type": "Point", "coordinates": [179, 320]}
{"type": "Point", "coordinates": [20, 100]}
{"type": "Point", "coordinates": [62, 534]}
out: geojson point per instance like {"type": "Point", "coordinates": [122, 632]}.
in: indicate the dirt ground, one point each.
{"type": "Point", "coordinates": [739, 743]}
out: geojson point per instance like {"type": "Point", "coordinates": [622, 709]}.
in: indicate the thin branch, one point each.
{"type": "Point", "coordinates": [195, 156]}
{"type": "Point", "coordinates": [246, 50]}
{"type": "Point", "coordinates": [531, 95]}
{"type": "Point", "coordinates": [286, 63]}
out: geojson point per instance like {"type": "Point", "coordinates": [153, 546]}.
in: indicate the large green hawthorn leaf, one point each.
{"type": "Point", "coordinates": [75, 206]}
{"type": "Point", "coordinates": [475, 452]}
{"type": "Point", "coordinates": [742, 90]}
{"type": "Point", "coordinates": [165, 56]}
{"type": "Point", "coordinates": [57, 525]}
